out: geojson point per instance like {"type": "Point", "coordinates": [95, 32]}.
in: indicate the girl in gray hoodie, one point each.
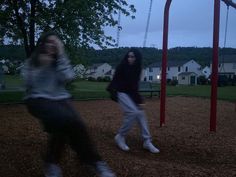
{"type": "Point", "coordinates": [46, 74]}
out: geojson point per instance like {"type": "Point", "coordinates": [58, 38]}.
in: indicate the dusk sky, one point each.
{"type": "Point", "coordinates": [190, 24]}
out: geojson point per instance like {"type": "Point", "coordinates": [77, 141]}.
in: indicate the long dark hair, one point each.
{"type": "Point", "coordinates": [40, 48]}
{"type": "Point", "coordinates": [137, 65]}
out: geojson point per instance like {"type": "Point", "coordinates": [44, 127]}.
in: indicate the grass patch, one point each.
{"type": "Point", "coordinates": [11, 97]}
{"type": "Point", "coordinates": [82, 90]}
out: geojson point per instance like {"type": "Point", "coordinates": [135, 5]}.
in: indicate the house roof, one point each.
{"type": "Point", "coordinates": [186, 73]}
{"type": "Point", "coordinates": [95, 65]}
{"type": "Point", "coordinates": [170, 63]}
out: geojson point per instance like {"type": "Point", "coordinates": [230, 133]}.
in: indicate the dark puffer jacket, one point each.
{"type": "Point", "coordinates": [126, 80]}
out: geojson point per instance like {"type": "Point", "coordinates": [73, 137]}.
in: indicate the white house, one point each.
{"type": "Point", "coordinates": [98, 70]}
{"type": "Point", "coordinates": [152, 72]}
{"type": "Point", "coordinates": [187, 78]}
{"type": "Point", "coordinates": [79, 70]}
{"type": "Point", "coordinates": [5, 68]}
{"type": "Point", "coordinates": [110, 73]}
{"type": "Point", "coordinates": [174, 68]}
{"type": "Point", "coordinates": [227, 64]}
{"type": "Point", "coordinates": [206, 71]}
{"type": "Point", "coordinates": [193, 66]}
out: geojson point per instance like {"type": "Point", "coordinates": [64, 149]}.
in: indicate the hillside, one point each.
{"type": "Point", "coordinates": [113, 56]}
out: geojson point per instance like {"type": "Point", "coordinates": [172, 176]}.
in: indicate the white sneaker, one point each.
{"type": "Point", "coordinates": [104, 170]}
{"type": "Point", "coordinates": [150, 147]}
{"type": "Point", "coordinates": [120, 141]}
{"type": "Point", "coordinates": [52, 170]}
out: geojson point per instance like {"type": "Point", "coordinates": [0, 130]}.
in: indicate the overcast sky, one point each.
{"type": "Point", "coordinates": [190, 24]}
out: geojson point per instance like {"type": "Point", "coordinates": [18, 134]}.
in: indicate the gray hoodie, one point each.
{"type": "Point", "coordinates": [48, 81]}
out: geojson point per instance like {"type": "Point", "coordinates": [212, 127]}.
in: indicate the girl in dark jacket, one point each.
{"type": "Point", "coordinates": [124, 89]}
{"type": "Point", "coordinates": [46, 74]}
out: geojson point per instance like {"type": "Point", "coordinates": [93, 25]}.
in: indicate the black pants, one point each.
{"type": "Point", "coordinates": [64, 125]}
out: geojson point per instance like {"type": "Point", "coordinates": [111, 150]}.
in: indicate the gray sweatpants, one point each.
{"type": "Point", "coordinates": [132, 113]}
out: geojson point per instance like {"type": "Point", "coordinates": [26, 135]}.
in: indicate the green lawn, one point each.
{"type": "Point", "coordinates": [13, 81]}
{"type": "Point", "coordinates": [96, 90]}
{"type": "Point", "coordinates": [89, 90]}
{"type": "Point", "coordinates": [224, 93]}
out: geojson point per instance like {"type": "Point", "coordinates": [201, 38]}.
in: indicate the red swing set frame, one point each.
{"type": "Point", "coordinates": [214, 78]}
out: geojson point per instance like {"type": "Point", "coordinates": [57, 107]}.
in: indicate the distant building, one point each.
{"type": "Point", "coordinates": [110, 73]}
{"type": "Point", "coordinates": [174, 68]}
{"type": "Point", "coordinates": [227, 64]}
{"type": "Point", "coordinates": [98, 70]}
{"type": "Point", "coordinates": [206, 71]}
{"type": "Point", "coordinates": [79, 70]}
{"type": "Point", "coordinates": [187, 78]}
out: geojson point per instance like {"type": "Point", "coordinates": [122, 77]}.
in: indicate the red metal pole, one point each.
{"type": "Point", "coordinates": [214, 75]}
{"type": "Point", "coordinates": [164, 63]}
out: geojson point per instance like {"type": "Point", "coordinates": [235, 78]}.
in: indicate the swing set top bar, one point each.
{"type": "Point", "coordinates": [230, 3]}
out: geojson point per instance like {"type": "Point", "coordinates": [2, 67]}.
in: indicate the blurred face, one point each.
{"type": "Point", "coordinates": [48, 52]}
{"type": "Point", "coordinates": [131, 58]}
{"type": "Point", "coordinates": [51, 46]}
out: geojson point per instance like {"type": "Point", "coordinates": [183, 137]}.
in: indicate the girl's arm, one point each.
{"type": "Point", "coordinates": [64, 69]}
{"type": "Point", "coordinates": [26, 73]}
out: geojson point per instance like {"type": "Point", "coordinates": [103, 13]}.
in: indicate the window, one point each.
{"type": "Point", "coordinates": [178, 68]}
{"type": "Point", "coordinates": [150, 78]}
{"type": "Point", "coordinates": [150, 70]}
{"type": "Point", "coordinates": [183, 78]}
{"type": "Point", "coordinates": [186, 69]}
{"type": "Point", "coordinates": [168, 68]}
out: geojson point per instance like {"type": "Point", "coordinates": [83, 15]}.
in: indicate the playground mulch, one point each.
{"type": "Point", "coordinates": [187, 147]}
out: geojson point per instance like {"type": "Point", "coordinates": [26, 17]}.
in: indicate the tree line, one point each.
{"type": "Point", "coordinates": [113, 56]}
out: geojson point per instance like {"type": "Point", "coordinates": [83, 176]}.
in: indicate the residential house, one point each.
{"type": "Point", "coordinates": [3, 64]}
{"type": "Point", "coordinates": [206, 71]}
{"type": "Point", "coordinates": [110, 73]}
{"type": "Point", "coordinates": [80, 70]}
{"type": "Point", "coordinates": [226, 70]}
{"type": "Point", "coordinates": [98, 70]}
{"type": "Point", "coordinates": [174, 68]}
{"type": "Point", "coordinates": [227, 64]}
{"type": "Point", "coordinates": [152, 73]}
{"type": "Point", "coordinates": [187, 78]}
{"type": "Point", "coordinates": [143, 75]}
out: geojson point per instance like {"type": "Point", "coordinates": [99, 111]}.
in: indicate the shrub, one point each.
{"type": "Point", "coordinates": [174, 82]}
{"type": "Point", "coordinates": [106, 79]}
{"type": "Point", "coordinates": [202, 80]}
{"type": "Point", "coordinates": [91, 79]}
{"type": "Point", "coordinates": [99, 79]}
